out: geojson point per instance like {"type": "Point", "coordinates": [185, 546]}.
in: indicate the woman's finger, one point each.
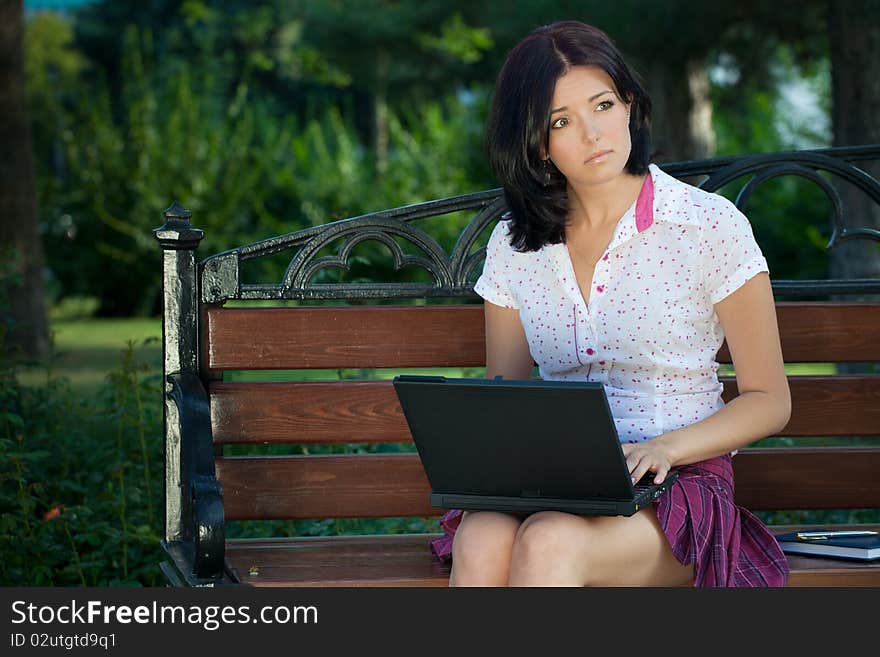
{"type": "Point", "coordinates": [662, 473]}
{"type": "Point", "coordinates": [640, 469]}
{"type": "Point", "coordinates": [632, 461]}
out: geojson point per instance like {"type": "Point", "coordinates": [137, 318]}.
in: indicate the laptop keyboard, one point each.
{"type": "Point", "coordinates": [641, 490]}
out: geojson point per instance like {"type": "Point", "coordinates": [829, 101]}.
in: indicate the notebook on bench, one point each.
{"type": "Point", "coordinates": [521, 446]}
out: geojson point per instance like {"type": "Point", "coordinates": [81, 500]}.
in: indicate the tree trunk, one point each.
{"type": "Point", "coordinates": [854, 30]}
{"type": "Point", "coordinates": [20, 244]}
{"type": "Point", "coordinates": [381, 111]}
{"type": "Point", "coordinates": [700, 116]}
{"type": "Point", "coordinates": [681, 126]}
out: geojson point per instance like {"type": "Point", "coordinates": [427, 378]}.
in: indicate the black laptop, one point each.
{"type": "Point", "coordinates": [521, 446]}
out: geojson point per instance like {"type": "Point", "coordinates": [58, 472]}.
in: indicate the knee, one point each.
{"type": "Point", "coordinates": [548, 541]}
{"type": "Point", "coordinates": [469, 548]}
{"type": "Point", "coordinates": [481, 551]}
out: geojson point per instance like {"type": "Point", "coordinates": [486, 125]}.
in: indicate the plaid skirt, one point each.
{"type": "Point", "coordinates": [728, 545]}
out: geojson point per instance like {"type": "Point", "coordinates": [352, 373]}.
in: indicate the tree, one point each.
{"type": "Point", "coordinates": [368, 56]}
{"type": "Point", "coordinates": [854, 28]}
{"type": "Point", "coordinates": [666, 43]}
{"type": "Point", "coordinates": [19, 231]}
{"type": "Point", "coordinates": [673, 45]}
{"type": "Point", "coordinates": [397, 54]}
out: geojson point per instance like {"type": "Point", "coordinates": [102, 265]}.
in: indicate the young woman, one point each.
{"type": "Point", "coordinates": [607, 269]}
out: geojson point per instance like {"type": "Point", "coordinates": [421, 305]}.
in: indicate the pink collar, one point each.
{"type": "Point", "coordinates": [645, 205]}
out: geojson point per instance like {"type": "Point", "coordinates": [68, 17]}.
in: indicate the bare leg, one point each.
{"type": "Point", "coordinates": [561, 549]}
{"type": "Point", "coordinates": [482, 547]}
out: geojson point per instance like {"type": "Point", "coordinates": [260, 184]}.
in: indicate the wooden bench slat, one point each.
{"type": "Point", "coordinates": [387, 560]}
{"type": "Point", "coordinates": [846, 332]}
{"type": "Point", "coordinates": [839, 405]}
{"type": "Point", "coordinates": [453, 336]}
{"type": "Point", "coordinates": [808, 478]}
{"type": "Point", "coordinates": [406, 560]}
{"type": "Point", "coordinates": [347, 486]}
{"type": "Point", "coordinates": [806, 571]}
{"type": "Point", "coordinates": [305, 412]}
{"type": "Point", "coordinates": [349, 336]}
{"type": "Point", "coordinates": [394, 485]}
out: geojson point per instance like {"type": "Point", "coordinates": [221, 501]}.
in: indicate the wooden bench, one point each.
{"type": "Point", "coordinates": [437, 322]}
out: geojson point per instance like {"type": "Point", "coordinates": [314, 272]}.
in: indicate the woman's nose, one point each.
{"type": "Point", "coordinates": [590, 130]}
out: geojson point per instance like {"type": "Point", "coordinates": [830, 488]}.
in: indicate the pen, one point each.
{"type": "Point", "coordinates": [813, 536]}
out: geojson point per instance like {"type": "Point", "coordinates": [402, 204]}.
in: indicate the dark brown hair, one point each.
{"type": "Point", "coordinates": [518, 126]}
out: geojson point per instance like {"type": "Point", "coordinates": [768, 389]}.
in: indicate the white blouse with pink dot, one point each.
{"type": "Point", "coordinates": [649, 333]}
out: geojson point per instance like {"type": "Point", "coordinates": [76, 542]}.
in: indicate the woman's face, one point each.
{"type": "Point", "coordinates": [589, 127]}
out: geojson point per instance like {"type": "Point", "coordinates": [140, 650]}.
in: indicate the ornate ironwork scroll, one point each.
{"type": "Point", "coordinates": [221, 278]}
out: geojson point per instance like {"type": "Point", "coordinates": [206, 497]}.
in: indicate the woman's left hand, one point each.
{"type": "Point", "coordinates": [649, 456]}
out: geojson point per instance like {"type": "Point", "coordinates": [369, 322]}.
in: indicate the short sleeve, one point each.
{"type": "Point", "coordinates": [731, 256]}
{"type": "Point", "coordinates": [493, 284]}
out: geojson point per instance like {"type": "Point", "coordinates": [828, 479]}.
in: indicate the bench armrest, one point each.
{"type": "Point", "coordinates": [204, 519]}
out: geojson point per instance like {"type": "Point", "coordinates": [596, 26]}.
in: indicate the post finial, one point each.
{"type": "Point", "coordinates": [177, 233]}
{"type": "Point", "coordinates": [177, 211]}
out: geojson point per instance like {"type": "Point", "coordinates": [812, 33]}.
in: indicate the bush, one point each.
{"type": "Point", "coordinates": [81, 481]}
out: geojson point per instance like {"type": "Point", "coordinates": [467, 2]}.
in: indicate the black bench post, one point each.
{"type": "Point", "coordinates": [179, 241]}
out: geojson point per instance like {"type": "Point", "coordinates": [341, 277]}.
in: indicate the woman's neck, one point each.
{"type": "Point", "coordinates": [598, 207]}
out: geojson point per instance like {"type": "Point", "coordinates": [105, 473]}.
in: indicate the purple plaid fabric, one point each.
{"type": "Point", "coordinates": [728, 545]}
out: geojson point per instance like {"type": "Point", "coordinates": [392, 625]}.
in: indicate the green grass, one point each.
{"type": "Point", "coordinates": [793, 369]}
{"type": "Point", "coordinates": [85, 351]}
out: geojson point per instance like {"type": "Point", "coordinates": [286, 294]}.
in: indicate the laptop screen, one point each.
{"type": "Point", "coordinates": [515, 437]}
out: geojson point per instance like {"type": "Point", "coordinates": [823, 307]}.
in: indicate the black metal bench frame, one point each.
{"type": "Point", "coordinates": [194, 535]}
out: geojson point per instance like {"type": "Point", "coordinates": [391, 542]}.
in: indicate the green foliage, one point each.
{"type": "Point", "coordinates": [766, 114]}
{"type": "Point", "coordinates": [52, 64]}
{"type": "Point", "coordinates": [410, 52]}
{"type": "Point", "coordinates": [331, 173]}
{"type": "Point", "coordinates": [330, 527]}
{"type": "Point", "coordinates": [458, 40]}
{"type": "Point", "coordinates": [270, 117]}
{"type": "Point", "coordinates": [790, 215]}
{"type": "Point", "coordinates": [171, 132]}
{"type": "Point", "coordinates": [81, 481]}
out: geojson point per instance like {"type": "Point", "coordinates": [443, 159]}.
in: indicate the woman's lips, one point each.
{"type": "Point", "coordinates": [597, 157]}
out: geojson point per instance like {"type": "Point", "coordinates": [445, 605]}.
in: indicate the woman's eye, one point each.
{"type": "Point", "coordinates": [558, 123]}
{"type": "Point", "coordinates": [605, 105]}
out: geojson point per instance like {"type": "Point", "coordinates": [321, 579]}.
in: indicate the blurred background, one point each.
{"type": "Point", "coordinates": [264, 117]}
